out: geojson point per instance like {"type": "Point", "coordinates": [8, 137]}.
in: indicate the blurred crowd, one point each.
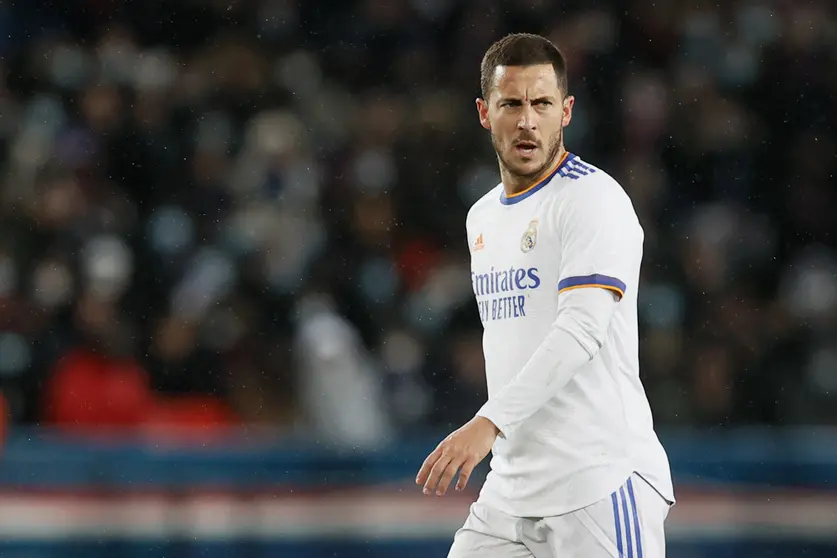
{"type": "Point", "coordinates": [252, 211]}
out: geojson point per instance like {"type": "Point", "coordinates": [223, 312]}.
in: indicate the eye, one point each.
{"type": "Point", "coordinates": [544, 103]}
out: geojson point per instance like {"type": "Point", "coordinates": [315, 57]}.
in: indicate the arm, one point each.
{"type": "Point", "coordinates": [600, 249]}
{"type": "Point", "coordinates": [576, 336]}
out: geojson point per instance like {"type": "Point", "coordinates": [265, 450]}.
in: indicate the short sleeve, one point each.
{"type": "Point", "coordinates": [600, 238]}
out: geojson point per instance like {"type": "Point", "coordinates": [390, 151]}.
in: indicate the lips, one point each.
{"type": "Point", "coordinates": [525, 148]}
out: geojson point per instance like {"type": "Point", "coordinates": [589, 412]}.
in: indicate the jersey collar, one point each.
{"type": "Point", "coordinates": [538, 184]}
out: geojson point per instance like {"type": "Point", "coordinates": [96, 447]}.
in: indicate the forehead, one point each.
{"type": "Point", "coordinates": [522, 81]}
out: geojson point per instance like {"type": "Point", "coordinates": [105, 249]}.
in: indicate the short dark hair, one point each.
{"type": "Point", "coordinates": [521, 49]}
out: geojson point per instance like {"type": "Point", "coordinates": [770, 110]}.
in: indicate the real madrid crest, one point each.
{"type": "Point", "coordinates": [530, 237]}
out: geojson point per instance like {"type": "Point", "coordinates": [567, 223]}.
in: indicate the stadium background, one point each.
{"type": "Point", "coordinates": [235, 307]}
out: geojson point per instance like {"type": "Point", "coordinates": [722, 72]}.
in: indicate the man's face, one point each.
{"type": "Point", "coordinates": [526, 113]}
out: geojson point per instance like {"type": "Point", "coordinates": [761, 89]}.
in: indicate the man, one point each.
{"type": "Point", "coordinates": [577, 469]}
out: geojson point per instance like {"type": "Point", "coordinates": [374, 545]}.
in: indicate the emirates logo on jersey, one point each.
{"type": "Point", "coordinates": [500, 293]}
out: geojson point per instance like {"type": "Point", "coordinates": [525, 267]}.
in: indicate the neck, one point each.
{"type": "Point", "coordinates": [515, 183]}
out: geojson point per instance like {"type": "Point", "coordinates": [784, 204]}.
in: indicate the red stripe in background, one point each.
{"type": "Point", "coordinates": [364, 514]}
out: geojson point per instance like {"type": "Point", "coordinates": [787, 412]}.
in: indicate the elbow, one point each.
{"type": "Point", "coordinates": [588, 323]}
{"type": "Point", "coordinates": [592, 337]}
{"type": "Point", "coordinates": [588, 335]}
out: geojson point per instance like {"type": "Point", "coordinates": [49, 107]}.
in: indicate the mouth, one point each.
{"type": "Point", "coordinates": [525, 148]}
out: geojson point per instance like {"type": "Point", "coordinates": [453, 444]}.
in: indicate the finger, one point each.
{"type": "Point", "coordinates": [436, 473]}
{"type": "Point", "coordinates": [428, 464]}
{"type": "Point", "coordinates": [465, 474]}
{"type": "Point", "coordinates": [447, 476]}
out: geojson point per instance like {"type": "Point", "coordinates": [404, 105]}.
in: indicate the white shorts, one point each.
{"type": "Point", "coordinates": [627, 524]}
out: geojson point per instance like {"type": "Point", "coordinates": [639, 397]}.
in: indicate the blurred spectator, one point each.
{"type": "Point", "coordinates": [260, 206]}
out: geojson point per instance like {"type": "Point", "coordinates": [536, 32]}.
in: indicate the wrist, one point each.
{"type": "Point", "coordinates": [489, 423]}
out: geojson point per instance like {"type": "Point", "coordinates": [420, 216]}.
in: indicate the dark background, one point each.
{"type": "Point", "coordinates": [178, 176]}
{"type": "Point", "coordinates": [251, 212]}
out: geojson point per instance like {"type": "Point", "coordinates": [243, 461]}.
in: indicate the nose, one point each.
{"type": "Point", "coordinates": [528, 118]}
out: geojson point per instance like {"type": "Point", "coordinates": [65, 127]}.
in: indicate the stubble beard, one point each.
{"type": "Point", "coordinates": [555, 146]}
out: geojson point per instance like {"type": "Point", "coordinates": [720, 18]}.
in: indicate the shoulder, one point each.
{"type": "Point", "coordinates": [483, 205]}
{"type": "Point", "coordinates": [585, 181]}
{"type": "Point", "coordinates": [589, 192]}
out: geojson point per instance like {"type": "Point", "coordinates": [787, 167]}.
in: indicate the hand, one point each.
{"type": "Point", "coordinates": [464, 448]}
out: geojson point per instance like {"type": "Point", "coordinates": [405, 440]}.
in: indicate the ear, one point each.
{"type": "Point", "coordinates": [569, 101]}
{"type": "Point", "coordinates": [482, 111]}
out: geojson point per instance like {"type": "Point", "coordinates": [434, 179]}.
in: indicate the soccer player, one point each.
{"type": "Point", "coordinates": [577, 470]}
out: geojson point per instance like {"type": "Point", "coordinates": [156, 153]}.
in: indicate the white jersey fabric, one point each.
{"type": "Point", "coordinates": [566, 448]}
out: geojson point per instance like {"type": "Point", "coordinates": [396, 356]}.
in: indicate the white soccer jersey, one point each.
{"type": "Point", "coordinates": [574, 228]}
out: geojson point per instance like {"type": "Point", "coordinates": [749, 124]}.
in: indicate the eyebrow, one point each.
{"type": "Point", "coordinates": [520, 99]}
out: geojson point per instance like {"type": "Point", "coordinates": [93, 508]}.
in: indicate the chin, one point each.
{"type": "Point", "coordinates": [527, 168]}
